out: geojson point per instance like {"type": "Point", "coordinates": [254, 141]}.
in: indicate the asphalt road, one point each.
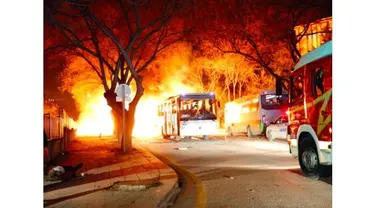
{"type": "Point", "coordinates": [240, 172]}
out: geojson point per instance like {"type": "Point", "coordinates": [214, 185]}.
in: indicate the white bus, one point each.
{"type": "Point", "coordinates": [190, 114]}
{"type": "Point", "coordinates": [252, 114]}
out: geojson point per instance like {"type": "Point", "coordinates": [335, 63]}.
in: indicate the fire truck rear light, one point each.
{"type": "Point", "coordinates": [330, 130]}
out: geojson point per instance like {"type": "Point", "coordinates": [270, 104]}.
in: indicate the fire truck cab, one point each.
{"type": "Point", "coordinates": [310, 112]}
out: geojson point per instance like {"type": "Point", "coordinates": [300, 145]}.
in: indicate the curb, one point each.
{"type": "Point", "coordinates": [81, 186]}
{"type": "Point", "coordinates": [170, 197]}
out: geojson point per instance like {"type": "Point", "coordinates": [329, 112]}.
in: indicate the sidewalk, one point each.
{"type": "Point", "coordinates": [104, 165]}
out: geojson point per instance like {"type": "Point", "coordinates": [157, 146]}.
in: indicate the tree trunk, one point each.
{"type": "Point", "coordinates": [129, 125]}
{"type": "Point", "coordinates": [129, 117]}
{"type": "Point", "coordinates": [240, 90]}
{"type": "Point", "coordinates": [228, 89]}
{"type": "Point", "coordinates": [234, 91]}
{"type": "Point", "coordinates": [117, 115]}
{"type": "Point", "coordinates": [117, 125]}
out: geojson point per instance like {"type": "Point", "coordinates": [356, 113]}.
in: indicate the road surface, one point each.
{"type": "Point", "coordinates": [240, 172]}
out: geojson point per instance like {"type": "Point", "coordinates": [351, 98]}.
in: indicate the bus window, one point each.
{"type": "Point", "coordinates": [246, 108]}
{"type": "Point", "coordinates": [272, 101]}
{"type": "Point", "coordinates": [251, 107]}
{"type": "Point", "coordinates": [160, 110]}
{"type": "Point", "coordinates": [199, 109]}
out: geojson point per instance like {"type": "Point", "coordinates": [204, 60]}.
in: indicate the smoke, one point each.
{"type": "Point", "coordinates": [171, 72]}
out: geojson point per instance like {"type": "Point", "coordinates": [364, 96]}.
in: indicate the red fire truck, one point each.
{"type": "Point", "coordinates": [310, 112]}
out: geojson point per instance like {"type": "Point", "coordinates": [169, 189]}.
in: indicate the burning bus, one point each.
{"type": "Point", "coordinates": [252, 114]}
{"type": "Point", "coordinates": [189, 114]}
{"type": "Point", "coordinates": [310, 107]}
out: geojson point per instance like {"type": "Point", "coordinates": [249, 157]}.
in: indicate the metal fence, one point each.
{"type": "Point", "coordinates": [54, 126]}
{"type": "Point", "coordinates": [60, 131]}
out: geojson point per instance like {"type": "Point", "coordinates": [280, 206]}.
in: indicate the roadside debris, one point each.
{"type": "Point", "coordinates": [251, 190]}
{"type": "Point", "coordinates": [182, 148]}
{"type": "Point", "coordinates": [230, 177]}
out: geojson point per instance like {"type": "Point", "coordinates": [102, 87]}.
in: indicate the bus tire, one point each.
{"type": "Point", "coordinates": [249, 134]}
{"type": "Point", "coordinates": [264, 130]}
{"type": "Point", "coordinates": [166, 137]}
{"type": "Point", "coordinates": [162, 133]}
{"type": "Point", "coordinates": [309, 160]}
{"type": "Point", "coordinates": [230, 133]}
{"type": "Point", "coordinates": [205, 137]}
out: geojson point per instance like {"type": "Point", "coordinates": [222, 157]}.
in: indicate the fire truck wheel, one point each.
{"type": "Point", "coordinates": [309, 160]}
{"type": "Point", "coordinates": [230, 133]}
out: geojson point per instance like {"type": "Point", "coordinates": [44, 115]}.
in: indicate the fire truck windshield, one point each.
{"type": "Point", "coordinates": [198, 109]}
{"type": "Point", "coordinates": [272, 101]}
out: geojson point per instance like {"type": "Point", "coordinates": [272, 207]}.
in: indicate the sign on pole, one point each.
{"type": "Point", "coordinates": [123, 92]}
{"type": "Point", "coordinates": [123, 95]}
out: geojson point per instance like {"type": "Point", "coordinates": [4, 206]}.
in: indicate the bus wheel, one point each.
{"type": "Point", "coordinates": [309, 160]}
{"type": "Point", "coordinates": [264, 130]}
{"type": "Point", "coordinates": [230, 133]}
{"type": "Point", "coordinates": [249, 134]}
{"type": "Point", "coordinates": [162, 133]}
{"type": "Point", "coordinates": [205, 137]}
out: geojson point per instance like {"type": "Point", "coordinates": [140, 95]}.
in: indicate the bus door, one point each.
{"type": "Point", "coordinates": [169, 119]}
{"type": "Point", "coordinates": [174, 120]}
{"type": "Point", "coordinates": [166, 118]}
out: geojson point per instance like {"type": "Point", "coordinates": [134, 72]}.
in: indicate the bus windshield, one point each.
{"type": "Point", "coordinates": [272, 101]}
{"type": "Point", "coordinates": [198, 109]}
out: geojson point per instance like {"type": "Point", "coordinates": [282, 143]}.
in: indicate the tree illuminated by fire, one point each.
{"type": "Point", "coordinates": [118, 39]}
{"type": "Point", "coordinates": [229, 47]}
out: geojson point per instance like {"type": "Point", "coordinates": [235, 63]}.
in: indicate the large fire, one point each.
{"type": "Point", "coordinates": [95, 118]}
{"type": "Point", "coordinates": [147, 121]}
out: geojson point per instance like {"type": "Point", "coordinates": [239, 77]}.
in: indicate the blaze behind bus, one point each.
{"type": "Point", "coordinates": [252, 114]}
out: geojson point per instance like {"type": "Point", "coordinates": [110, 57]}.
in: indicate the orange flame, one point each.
{"type": "Point", "coordinates": [147, 121]}
{"type": "Point", "coordinates": [96, 118]}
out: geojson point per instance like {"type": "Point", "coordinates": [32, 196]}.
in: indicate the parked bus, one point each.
{"type": "Point", "coordinates": [251, 115]}
{"type": "Point", "coordinates": [190, 114]}
{"type": "Point", "coordinates": [310, 106]}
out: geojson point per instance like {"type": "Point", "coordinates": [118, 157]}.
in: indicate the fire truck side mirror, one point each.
{"type": "Point", "coordinates": [279, 86]}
